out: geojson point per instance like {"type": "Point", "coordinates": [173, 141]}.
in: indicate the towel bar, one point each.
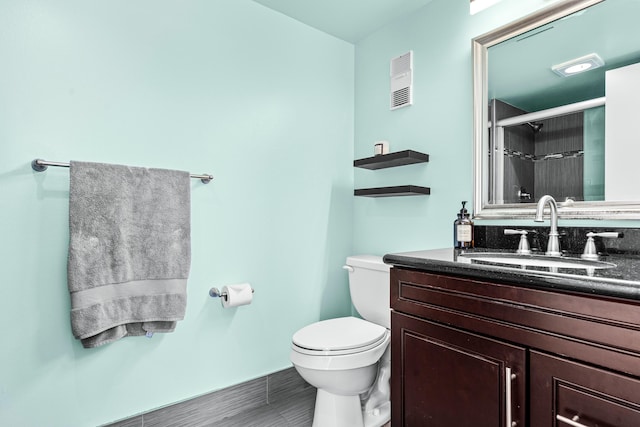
{"type": "Point", "coordinates": [40, 165]}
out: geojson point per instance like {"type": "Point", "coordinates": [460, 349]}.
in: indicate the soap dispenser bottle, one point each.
{"type": "Point", "coordinates": [463, 230]}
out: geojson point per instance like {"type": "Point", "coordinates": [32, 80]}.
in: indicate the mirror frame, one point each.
{"type": "Point", "coordinates": [481, 208]}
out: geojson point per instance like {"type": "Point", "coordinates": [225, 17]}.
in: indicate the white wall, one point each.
{"type": "Point", "coordinates": [622, 149]}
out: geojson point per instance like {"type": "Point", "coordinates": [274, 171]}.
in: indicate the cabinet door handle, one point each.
{"type": "Point", "coordinates": [572, 422]}
{"type": "Point", "coordinates": [508, 378]}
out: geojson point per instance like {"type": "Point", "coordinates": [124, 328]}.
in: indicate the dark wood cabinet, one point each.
{"type": "Point", "coordinates": [444, 370]}
{"type": "Point", "coordinates": [567, 391]}
{"type": "Point", "coordinates": [475, 353]}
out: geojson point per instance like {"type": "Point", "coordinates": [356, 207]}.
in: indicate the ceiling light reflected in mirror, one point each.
{"type": "Point", "coordinates": [578, 65]}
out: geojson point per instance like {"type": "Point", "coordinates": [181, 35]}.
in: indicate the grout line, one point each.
{"type": "Point", "coordinates": [268, 389]}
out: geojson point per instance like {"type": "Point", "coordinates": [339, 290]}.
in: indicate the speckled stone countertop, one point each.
{"type": "Point", "coordinates": [621, 281]}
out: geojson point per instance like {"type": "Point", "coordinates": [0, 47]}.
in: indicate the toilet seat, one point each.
{"type": "Point", "coordinates": [341, 336]}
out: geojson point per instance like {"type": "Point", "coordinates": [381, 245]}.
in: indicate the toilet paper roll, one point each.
{"type": "Point", "coordinates": [237, 295]}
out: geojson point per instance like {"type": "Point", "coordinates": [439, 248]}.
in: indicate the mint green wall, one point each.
{"type": "Point", "coordinates": [264, 103]}
{"type": "Point", "coordinates": [228, 87]}
{"type": "Point", "coordinates": [439, 123]}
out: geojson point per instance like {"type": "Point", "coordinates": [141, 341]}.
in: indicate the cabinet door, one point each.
{"type": "Point", "coordinates": [446, 377]}
{"type": "Point", "coordinates": [569, 394]}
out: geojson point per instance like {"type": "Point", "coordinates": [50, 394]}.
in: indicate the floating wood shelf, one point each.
{"type": "Point", "coordinates": [400, 190]}
{"type": "Point", "coordinates": [400, 158]}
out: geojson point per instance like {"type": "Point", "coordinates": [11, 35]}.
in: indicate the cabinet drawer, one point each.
{"type": "Point", "coordinates": [566, 390]}
{"type": "Point", "coordinates": [598, 330]}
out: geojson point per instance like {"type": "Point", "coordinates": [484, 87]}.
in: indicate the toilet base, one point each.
{"type": "Point", "coordinates": [333, 410]}
{"type": "Point", "coordinates": [379, 416]}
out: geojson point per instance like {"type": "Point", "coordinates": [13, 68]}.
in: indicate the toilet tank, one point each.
{"type": "Point", "coordinates": [369, 287]}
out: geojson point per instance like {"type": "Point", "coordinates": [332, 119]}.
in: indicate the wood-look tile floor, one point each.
{"type": "Point", "coordinates": [294, 412]}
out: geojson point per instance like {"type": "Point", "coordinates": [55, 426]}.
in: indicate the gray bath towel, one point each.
{"type": "Point", "coordinates": [129, 250]}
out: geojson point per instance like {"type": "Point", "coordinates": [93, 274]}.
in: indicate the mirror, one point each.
{"type": "Point", "coordinates": [537, 132]}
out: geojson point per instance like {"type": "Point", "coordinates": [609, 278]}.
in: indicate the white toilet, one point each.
{"type": "Point", "coordinates": [348, 359]}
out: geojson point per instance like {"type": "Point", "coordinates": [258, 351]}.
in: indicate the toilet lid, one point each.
{"type": "Point", "coordinates": [344, 333]}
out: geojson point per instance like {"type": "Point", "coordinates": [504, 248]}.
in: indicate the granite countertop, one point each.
{"type": "Point", "coordinates": [622, 281]}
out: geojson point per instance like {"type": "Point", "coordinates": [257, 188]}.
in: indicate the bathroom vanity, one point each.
{"type": "Point", "coordinates": [492, 345]}
{"type": "Point", "coordinates": [485, 341]}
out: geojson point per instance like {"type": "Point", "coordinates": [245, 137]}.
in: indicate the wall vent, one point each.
{"type": "Point", "coordinates": [402, 81]}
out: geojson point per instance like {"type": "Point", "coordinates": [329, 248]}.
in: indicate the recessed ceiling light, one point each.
{"type": "Point", "coordinates": [578, 65]}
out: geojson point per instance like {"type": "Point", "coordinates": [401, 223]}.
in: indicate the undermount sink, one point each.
{"type": "Point", "coordinates": [534, 260]}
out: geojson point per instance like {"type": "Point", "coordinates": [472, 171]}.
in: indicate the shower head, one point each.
{"type": "Point", "coordinates": [536, 127]}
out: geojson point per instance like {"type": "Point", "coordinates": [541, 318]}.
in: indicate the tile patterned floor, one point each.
{"type": "Point", "coordinates": [292, 412]}
{"type": "Point", "coordinates": [295, 412]}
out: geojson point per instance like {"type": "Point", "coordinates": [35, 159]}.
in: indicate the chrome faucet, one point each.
{"type": "Point", "coordinates": [553, 245]}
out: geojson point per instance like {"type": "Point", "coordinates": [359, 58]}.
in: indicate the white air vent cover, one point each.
{"type": "Point", "coordinates": [402, 80]}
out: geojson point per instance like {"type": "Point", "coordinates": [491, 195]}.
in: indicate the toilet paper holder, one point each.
{"type": "Point", "coordinates": [215, 293]}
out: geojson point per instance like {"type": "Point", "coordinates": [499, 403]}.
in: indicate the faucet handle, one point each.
{"type": "Point", "coordinates": [523, 245]}
{"type": "Point", "coordinates": [590, 251]}
{"type": "Point", "coordinates": [608, 234]}
{"type": "Point", "coordinates": [523, 195]}
{"type": "Point", "coordinates": [511, 231]}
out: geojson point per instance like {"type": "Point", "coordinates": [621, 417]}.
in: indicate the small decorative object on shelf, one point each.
{"type": "Point", "coordinates": [381, 147]}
